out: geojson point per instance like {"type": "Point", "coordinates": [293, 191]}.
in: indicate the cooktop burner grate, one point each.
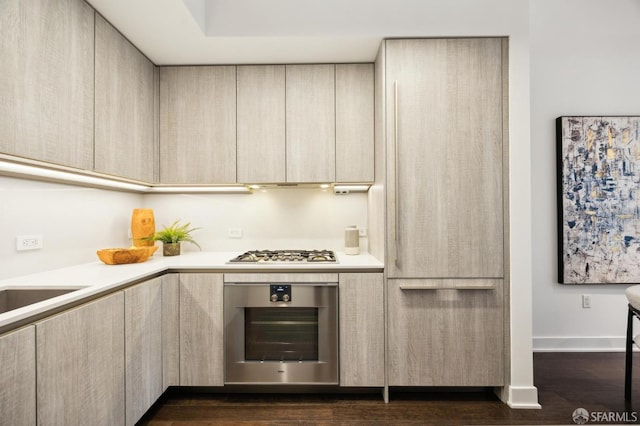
{"type": "Point", "coordinates": [308, 256]}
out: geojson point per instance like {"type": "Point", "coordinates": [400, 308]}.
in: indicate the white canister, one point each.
{"type": "Point", "coordinates": [351, 240]}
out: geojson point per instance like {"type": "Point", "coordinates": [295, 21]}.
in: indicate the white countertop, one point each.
{"type": "Point", "coordinates": [96, 277]}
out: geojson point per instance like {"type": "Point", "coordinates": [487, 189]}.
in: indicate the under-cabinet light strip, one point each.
{"type": "Point", "coordinates": [23, 170]}
{"type": "Point", "coordinates": [9, 168]}
{"type": "Point", "coordinates": [198, 189]}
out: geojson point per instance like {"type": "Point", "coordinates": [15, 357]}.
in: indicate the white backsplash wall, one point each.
{"type": "Point", "coordinates": [74, 222]}
{"type": "Point", "coordinates": [287, 218]}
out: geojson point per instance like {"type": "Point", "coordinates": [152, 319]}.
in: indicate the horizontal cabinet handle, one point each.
{"type": "Point", "coordinates": [461, 287]}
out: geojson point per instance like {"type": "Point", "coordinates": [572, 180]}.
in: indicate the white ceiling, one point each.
{"type": "Point", "coordinates": [289, 31]}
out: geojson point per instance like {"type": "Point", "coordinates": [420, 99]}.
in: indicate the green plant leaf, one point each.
{"type": "Point", "coordinates": [175, 233]}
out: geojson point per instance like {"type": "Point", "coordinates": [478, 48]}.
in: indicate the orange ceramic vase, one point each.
{"type": "Point", "coordinates": [143, 225]}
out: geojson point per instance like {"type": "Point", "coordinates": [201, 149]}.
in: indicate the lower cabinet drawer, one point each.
{"type": "Point", "coordinates": [446, 332]}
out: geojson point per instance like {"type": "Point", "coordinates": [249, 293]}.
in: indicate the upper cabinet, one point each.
{"type": "Point", "coordinates": [354, 123]}
{"type": "Point", "coordinates": [125, 107]}
{"type": "Point", "coordinates": [75, 92]}
{"type": "Point", "coordinates": [311, 121]}
{"type": "Point", "coordinates": [305, 123]}
{"type": "Point", "coordinates": [46, 83]}
{"type": "Point", "coordinates": [198, 124]}
{"type": "Point", "coordinates": [444, 103]}
{"type": "Point", "coordinates": [261, 123]}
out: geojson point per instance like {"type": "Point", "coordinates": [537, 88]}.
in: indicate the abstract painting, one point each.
{"type": "Point", "coordinates": [598, 199]}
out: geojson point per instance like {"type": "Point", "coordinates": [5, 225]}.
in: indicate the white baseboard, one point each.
{"type": "Point", "coordinates": [519, 397]}
{"type": "Point", "coordinates": [579, 344]}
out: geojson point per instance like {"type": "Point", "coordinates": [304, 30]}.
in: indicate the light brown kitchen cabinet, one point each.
{"type": "Point", "coordinates": [354, 123]}
{"type": "Point", "coordinates": [446, 204]}
{"type": "Point", "coordinates": [80, 365]}
{"type": "Point", "coordinates": [198, 125]}
{"type": "Point", "coordinates": [310, 123]}
{"type": "Point", "coordinates": [361, 314]}
{"type": "Point", "coordinates": [125, 107]}
{"type": "Point", "coordinates": [170, 331]}
{"type": "Point", "coordinates": [446, 332]}
{"type": "Point", "coordinates": [444, 104]}
{"type": "Point", "coordinates": [46, 83]}
{"type": "Point", "coordinates": [143, 347]}
{"type": "Point", "coordinates": [201, 330]}
{"type": "Point", "coordinates": [18, 377]}
{"type": "Point", "coordinates": [261, 124]}
{"type": "Point", "coordinates": [328, 135]}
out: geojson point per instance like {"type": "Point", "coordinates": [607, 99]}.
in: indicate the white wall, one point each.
{"type": "Point", "coordinates": [585, 60]}
{"type": "Point", "coordinates": [276, 219]}
{"type": "Point", "coordinates": [75, 222]}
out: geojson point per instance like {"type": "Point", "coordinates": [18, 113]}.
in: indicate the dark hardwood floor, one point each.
{"type": "Point", "coordinates": [565, 382]}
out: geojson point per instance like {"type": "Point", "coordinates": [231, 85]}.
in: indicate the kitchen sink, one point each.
{"type": "Point", "coordinates": [11, 299]}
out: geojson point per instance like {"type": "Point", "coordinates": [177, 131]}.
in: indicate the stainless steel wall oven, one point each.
{"type": "Point", "coordinates": [281, 333]}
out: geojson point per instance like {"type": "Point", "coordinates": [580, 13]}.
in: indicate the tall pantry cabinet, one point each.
{"type": "Point", "coordinates": [444, 103]}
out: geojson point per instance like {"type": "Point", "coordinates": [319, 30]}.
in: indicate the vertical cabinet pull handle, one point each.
{"type": "Point", "coordinates": [396, 195]}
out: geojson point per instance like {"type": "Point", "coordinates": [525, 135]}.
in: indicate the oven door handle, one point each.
{"type": "Point", "coordinates": [282, 283]}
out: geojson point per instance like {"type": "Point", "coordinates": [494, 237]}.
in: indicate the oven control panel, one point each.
{"type": "Point", "coordinates": [280, 293]}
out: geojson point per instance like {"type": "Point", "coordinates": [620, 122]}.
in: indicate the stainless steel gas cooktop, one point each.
{"type": "Point", "coordinates": [307, 256]}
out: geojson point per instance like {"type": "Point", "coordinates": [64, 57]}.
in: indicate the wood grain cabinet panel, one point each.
{"type": "Point", "coordinates": [125, 119]}
{"type": "Point", "coordinates": [143, 347]}
{"type": "Point", "coordinates": [46, 83]}
{"type": "Point", "coordinates": [354, 123]}
{"type": "Point", "coordinates": [446, 206]}
{"type": "Point", "coordinates": [198, 125]}
{"type": "Point", "coordinates": [80, 365]}
{"type": "Point", "coordinates": [445, 337]}
{"type": "Point", "coordinates": [18, 377]}
{"type": "Point", "coordinates": [361, 329]}
{"type": "Point", "coordinates": [261, 124]}
{"type": "Point", "coordinates": [448, 209]}
{"type": "Point", "coordinates": [311, 124]}
{"type": "Point", "coordinates": [170, 331]}
{"type": "Point", "coordinates": [201, 330]}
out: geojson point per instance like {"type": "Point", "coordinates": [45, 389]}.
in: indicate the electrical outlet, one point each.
{"type": "Point", "coordinates": [586, 300]}
{"type": "Point", "coordinates": [234, 233]}
{"type": "Point", "coordinates": [28, 242]}
{"type": "Point", "coordinates": [362, 232]}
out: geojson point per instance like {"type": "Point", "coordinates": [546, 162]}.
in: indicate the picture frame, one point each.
{"type": "Point", "coordinates": [598, 178]}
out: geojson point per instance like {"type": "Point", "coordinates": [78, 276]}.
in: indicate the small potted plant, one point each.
{"type": "Point", "coordinates": [172, 236]}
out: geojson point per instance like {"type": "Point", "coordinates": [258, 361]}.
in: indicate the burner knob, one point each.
{"type": "Point", "coordinates": [285, 297]}
{"type": "Point", "coordinates": [274, 297]}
